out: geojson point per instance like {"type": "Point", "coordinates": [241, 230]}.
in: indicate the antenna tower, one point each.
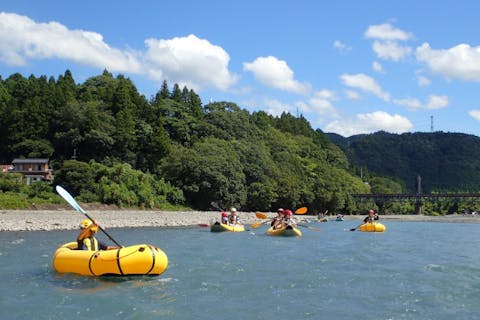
{"type": "Point", "coordinates": [431, 123]}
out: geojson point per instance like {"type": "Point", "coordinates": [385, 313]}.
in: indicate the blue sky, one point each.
{"type": "Point", "coordinates": [349, 67]}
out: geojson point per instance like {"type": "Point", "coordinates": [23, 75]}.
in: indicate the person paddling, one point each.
{"type": "Point", "coordinates": [372, 216]}
{"type": "Point", "coordinates": [224, 217]}
{"type": "Point", "coordinates": [233, 218]}
{"type": "Point", "coordinates": [86, 239]}
{"type": "Point", "coordinates": [288, 220]}
{"type": "Point", "coordinates": [277, 221]}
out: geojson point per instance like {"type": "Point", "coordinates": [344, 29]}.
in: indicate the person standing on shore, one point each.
{"type": "Point", "coordinates": [86, 239]}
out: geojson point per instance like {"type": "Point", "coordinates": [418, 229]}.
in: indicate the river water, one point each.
{"type": "Point", "coordinates": [415, 270]}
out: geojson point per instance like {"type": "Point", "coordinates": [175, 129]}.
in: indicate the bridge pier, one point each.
{"type": "Point", "coordinates": [418, 208]}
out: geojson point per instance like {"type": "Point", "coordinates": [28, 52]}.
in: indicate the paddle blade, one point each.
{"type": "Point", "coordinates": [301, 210]}
{"type": "Point", "coordinates": [261, 215]}
{"type": "Point", "coordinates": [68, 197]}
{"type": "Point", "coordinates": [256, 224]}
{"type": "Point", "coordinates": [203, 225]}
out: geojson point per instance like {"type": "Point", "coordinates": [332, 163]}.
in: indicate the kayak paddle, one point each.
{"type": "Point", "coordinates": [68, 197]}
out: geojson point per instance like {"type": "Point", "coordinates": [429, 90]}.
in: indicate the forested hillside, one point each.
{"type": "Point", "coordinates": [110, 144]}
{"type": "Point", "coordinates": [445, 161]}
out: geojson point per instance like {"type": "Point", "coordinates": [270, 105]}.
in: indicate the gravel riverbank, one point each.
{"type": "Point", "coordinates": [46, 220]}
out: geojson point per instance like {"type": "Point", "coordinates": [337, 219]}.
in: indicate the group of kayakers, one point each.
{"type": "Point", "coordinates": [86, 239]}
{"type": "Point", "coordinates": [283, 218]}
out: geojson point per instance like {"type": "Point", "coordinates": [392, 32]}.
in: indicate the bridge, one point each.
{"type": "Point", "coordinates": [419, 198]}
{"type": "Point", "coordinates": [423, 197]}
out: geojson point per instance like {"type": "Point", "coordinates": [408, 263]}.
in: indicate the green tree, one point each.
{"type": "Point", "coordinates": [208, 171]}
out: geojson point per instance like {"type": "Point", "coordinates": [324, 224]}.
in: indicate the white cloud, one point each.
{"type": "Point", "coordinates": [370, 122]}
{"type": "Point", "coordinates": [342, 47]}
{"type": "Point", "coordinates": [352, 95]}
{"type": "Point", "coordinates": [433, 102]}
{"type": "Point", "coordinates": [22, 38]}
{"type": "Point", "coordinates": [275, 73]}
{"type": "Point", "coordinates": [460, 62]}
{"type": "Point", "coordinates": [423, 81]}
{"type": "Point", "coordinates": [390, 50]}
{"type": "Point", "coordinates": [475, 114]}
{"type": "Point", "coordinates": [321, 103]}
{"type": "Point", "coordinates": [410, 103]}
{"type": "Point", "coordinates": [386, 32]}
{"type": "Point", "coordinates": [276, 108]}
{"type": "Point", "coordinates": [377, 67]}
{"type": "Point", "coordinates": [363, 82]}
{"type": "Point", "coordinates": [437, 102]}
{"type": "Point", "coordinates": [326, 94]}
{"type": "Point", "coordinates": [189, 60]}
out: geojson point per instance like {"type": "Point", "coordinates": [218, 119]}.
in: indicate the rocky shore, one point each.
{"type": "Point", "coordinates": [47, 220]}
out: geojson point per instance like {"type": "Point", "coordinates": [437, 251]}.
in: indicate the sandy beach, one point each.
{"type": "Point", "coordinates": [61, 219]}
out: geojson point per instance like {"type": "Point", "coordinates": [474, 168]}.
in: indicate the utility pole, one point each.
{"type": "Point", "coordinates": [431, 123]}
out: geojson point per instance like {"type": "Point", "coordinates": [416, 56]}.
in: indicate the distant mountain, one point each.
{"type": "Point", "coordinates": [445, 161]}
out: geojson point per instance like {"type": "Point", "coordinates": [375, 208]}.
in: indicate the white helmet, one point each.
{"type": "Point", "coordinates": [232, 209]}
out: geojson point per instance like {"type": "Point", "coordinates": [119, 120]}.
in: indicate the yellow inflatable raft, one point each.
{"type": "Point", "coordinates": [372, 227]}
{"type": "Point", "coordinates": [220, 227]}
{"type": "Point", "coordinates": [141, 259]}
{"type": "Point", "coordinates": [287, 231]}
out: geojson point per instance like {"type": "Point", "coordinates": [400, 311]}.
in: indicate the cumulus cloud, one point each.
{"type": "Point", "coordinates": [436, 102]}
{"type": "Point", "coordinates": [370, 122]}
{"type": "Point", "coordinates": [189, 60]}
{"type": "Point", "coordinates": [186, 60]}
{"type": "Point", "coordinates": [342, 47]}
{"type": "Point", "coordinates": [21, 39]}
{"type": "Point", "coordinates": [461, 62]}
{"type": "Point", "coordinates": [352, 95]}
{"type": "Point", "coordinates": [276, 107]}
{"type": "Point", "coordinates": [387, 32]}
{"type": "Point", "coordinates": [363, 82]}
{"type": "Point", "coordinates": [321, 103]}
{"type": "Point", "coordinates": [275, 73]}
{"type": "Point", "coordinates": [475, 114]}
{"type": "Point", "coordinates": [410, 103]}
{"type": "Point", "coordinates": [386, 44]}
{"type": "Point", "coordinates": [433, 102]}
{"type": "Point", "coordinates": [391, 50]}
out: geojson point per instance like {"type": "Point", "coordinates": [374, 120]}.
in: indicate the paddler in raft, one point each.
{"type": "Point", "coordinates": [86, 239]}
{"type": "Point", "coordinates": [288, 220]}
{"type": "Point", "coordinates": [372, 216]}
{"type": "Point", "coordinates": [224, 217]}
{"type": "Point", "coordinates": [233, 218]}
{"type": "Point", "coordinates": [277, 221]}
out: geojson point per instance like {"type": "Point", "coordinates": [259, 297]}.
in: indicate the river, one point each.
{"type": "Point", "coordinates": [415, 270]}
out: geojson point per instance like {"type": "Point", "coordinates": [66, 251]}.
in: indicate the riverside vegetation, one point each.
{"type": "Point", "coordinates": [109, 144]}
